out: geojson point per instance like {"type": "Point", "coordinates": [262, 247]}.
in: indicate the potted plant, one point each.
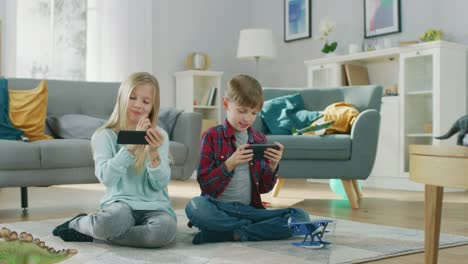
{"type": "Point", "coordinates": [432, 35]}
{"type": "Point", "coordinates": [327, 26]}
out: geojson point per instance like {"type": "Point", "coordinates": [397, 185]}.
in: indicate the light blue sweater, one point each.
{"type": "Point", "coordinates": [114, 167]}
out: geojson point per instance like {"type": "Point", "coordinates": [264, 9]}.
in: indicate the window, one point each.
{"type": "Point", "coordinates": [51, 39]}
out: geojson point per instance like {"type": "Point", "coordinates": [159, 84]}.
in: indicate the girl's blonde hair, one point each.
{"type": "Point", "coordinates": [118, 119]}
{"type": "Point", "coordinates": [245, 91]}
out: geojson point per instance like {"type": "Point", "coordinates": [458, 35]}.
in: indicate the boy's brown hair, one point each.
{"type": "Point", "coordinates": [245, 91]}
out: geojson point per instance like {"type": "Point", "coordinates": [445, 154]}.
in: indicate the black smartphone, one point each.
{"type": "Point", "coordinates": [258, 150]}
{"type": "Point", "coordinates": [133, 137]}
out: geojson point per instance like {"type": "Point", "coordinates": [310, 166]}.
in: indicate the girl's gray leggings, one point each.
{"type": "Point", "coordinates": [118, 224]}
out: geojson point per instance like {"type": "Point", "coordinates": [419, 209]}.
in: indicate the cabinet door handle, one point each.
{"type": "Point", "coordinates": [321, 66]}
{"type": "Point", "coordinates": [418, 53]}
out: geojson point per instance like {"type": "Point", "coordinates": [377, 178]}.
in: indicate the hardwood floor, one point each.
{"type": "Point", "coordinates": [386, 207]}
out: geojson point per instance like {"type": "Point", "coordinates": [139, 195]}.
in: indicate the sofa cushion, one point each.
{"type": "Point", "coordinates": [74, 126]}
{"type": "Point", "coordinates": [167, 118]}
{"type": "Point", "coordinates": [178, 152]}
{"type": "Point", "coordinates": [28, 110]}
{"type": "Point", "coordinates": [16, 154]}
{"type": "Point", "coordinates": [330, 147]}
{"type": "Point", "coordinates": [65, 153]}
{"type": "Point", "coordinates": [282, 114]}
{"type": "Point", "coordinates": [7, 130]}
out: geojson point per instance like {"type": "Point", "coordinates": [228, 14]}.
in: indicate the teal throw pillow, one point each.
{"type": "Point", "coordinates": [280, 115]}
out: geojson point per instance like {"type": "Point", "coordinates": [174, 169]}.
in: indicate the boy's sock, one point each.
{"type": "Point", "coordinates": [65, 225]}
{"type": "Point", "coordinates": [212, 237]}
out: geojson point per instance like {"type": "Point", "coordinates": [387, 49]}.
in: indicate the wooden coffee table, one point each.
{"type": "Point", "coordinates": [437, 167]}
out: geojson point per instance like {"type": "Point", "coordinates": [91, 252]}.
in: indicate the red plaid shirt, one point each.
{"type": "Point", "coordinates": [217, 145]}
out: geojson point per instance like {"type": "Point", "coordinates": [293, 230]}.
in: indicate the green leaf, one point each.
{"type": "Point", "coordinates": [327, 48]}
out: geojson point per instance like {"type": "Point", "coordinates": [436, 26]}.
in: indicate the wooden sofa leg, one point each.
{"type": "Point", "coordinates": [352, 195]}
{"type": "Point", "coordinates": [24, 198]}
{"type": "Point", "coordinates": [356, 189]}
{"type": "Point", "coordinates": [277, 187]}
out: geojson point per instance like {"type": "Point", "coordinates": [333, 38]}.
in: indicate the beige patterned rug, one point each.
{"type": "Point", "coordinates": [353, 242]}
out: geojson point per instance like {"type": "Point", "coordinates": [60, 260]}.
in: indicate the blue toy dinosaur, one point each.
{"type": "Point", "coordinates": [461, 126]}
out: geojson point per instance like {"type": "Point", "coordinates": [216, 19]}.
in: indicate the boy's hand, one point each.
{"type": "Point", "coordinates": [242, 155]}
{"type": "Point", "coordinates": [274, 155]}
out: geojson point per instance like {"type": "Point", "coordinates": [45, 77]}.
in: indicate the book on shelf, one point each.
{"type": "Point", "coordinates": [209, 96]}
{"type": "Point", "coordinates": [356, 74]}
{"type": "Point", "coordinates": [212, 100]}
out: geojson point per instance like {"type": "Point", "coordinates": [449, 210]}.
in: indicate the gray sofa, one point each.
{"type": "Point", "coordinates": [346, 157]}
{"type": "Point", "coordinates": [70, 161]}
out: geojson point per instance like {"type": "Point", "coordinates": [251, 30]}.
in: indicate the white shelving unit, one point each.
{"type": "Point", "coordinates": [432, 84]}
{"type": "Point", "coordinates": [192, 94]}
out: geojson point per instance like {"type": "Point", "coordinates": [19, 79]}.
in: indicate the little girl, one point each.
{"type": "Point", "coordinates": [135, 210]}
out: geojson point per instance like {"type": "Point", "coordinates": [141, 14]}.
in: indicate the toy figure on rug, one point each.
{"type": "Point", "coordinates": [231, 180]}
{"type": "Point", "coordinates": [24, 248]}
{"type": "Point", "coordinates": [314, 229]}
{"type": "Point", "coordinates": [461, 126]}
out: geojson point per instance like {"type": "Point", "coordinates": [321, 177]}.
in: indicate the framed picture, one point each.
{"type": "Point", "coordinates": [297, 19]}
{"type": "Point", "coordinates": [381, 17]}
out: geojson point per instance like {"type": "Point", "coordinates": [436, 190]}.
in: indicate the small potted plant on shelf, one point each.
{"type": "Point", "coordinates": [432, 35]}
{"type": "Point", "coordinates": [327, 26]}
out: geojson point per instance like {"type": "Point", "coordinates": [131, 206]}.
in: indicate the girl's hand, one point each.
{"type": "Point", "coordinates": [143, 124]}
{"type": "Point", "coordinates": [155, 139]}
{"type": "Point", "coordinates": [274, 155]}
{"type": "Point", "coordinates": [242, 155]}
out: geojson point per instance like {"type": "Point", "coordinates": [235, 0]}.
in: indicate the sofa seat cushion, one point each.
{"type": "Point", "coordinates": [65, 153]}
{"type": "Point", "coordinates": [16, 154]}
{"type": "Point", "coordinates": [329, 147]}
{"type": "Point", "coordinates": [178, 152]}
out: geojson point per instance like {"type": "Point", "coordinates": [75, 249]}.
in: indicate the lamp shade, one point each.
{"type": "Point", "coordinates": [256, 42]}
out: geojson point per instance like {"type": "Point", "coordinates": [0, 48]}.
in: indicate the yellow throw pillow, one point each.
{"type": "Point", "coordinates": [28, 109]}
{"type": "Point", "coordinates": [343, 116]}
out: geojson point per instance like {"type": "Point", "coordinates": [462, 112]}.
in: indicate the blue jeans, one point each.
{"type": "Point", "coordinates": [245, 221]}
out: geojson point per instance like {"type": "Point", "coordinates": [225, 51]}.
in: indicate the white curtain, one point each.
{"type": "Point", "coordinates": [119, 39]}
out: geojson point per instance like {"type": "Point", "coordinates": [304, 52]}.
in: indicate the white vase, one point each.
{"type": "Point", "coordinates": [330, 54]}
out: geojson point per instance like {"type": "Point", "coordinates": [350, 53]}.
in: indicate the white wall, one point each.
{"type": "Point", "coordinates": [2, 37]}
{"type": "Point", "coordinates": [416, 17]}
{"type": "Point", "coordinates": [8, 17]}
{"type": "Point", "coordinates": [181, 27]}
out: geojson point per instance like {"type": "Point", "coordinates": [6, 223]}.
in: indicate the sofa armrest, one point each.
{"type": "Point", "coordinates": [187, 130]}
{"type": "Point", "coordinates": [364, 139]}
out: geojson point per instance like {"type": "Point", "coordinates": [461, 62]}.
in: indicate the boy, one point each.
{"type": "Point", "coordinates": [230, 207]}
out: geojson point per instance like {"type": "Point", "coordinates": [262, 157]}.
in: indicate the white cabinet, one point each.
{"type": "Point", "coordinates": [387, 159]}
{"type": "Point", "coordinates": [432, 84]}
{"type": "Point", "coordinates": [324, 75]}
{"type": "Point", "coordinates": [200, 91]}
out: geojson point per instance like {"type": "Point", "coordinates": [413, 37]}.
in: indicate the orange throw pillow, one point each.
{"type": "Point", "coordinates": [28, 109]}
